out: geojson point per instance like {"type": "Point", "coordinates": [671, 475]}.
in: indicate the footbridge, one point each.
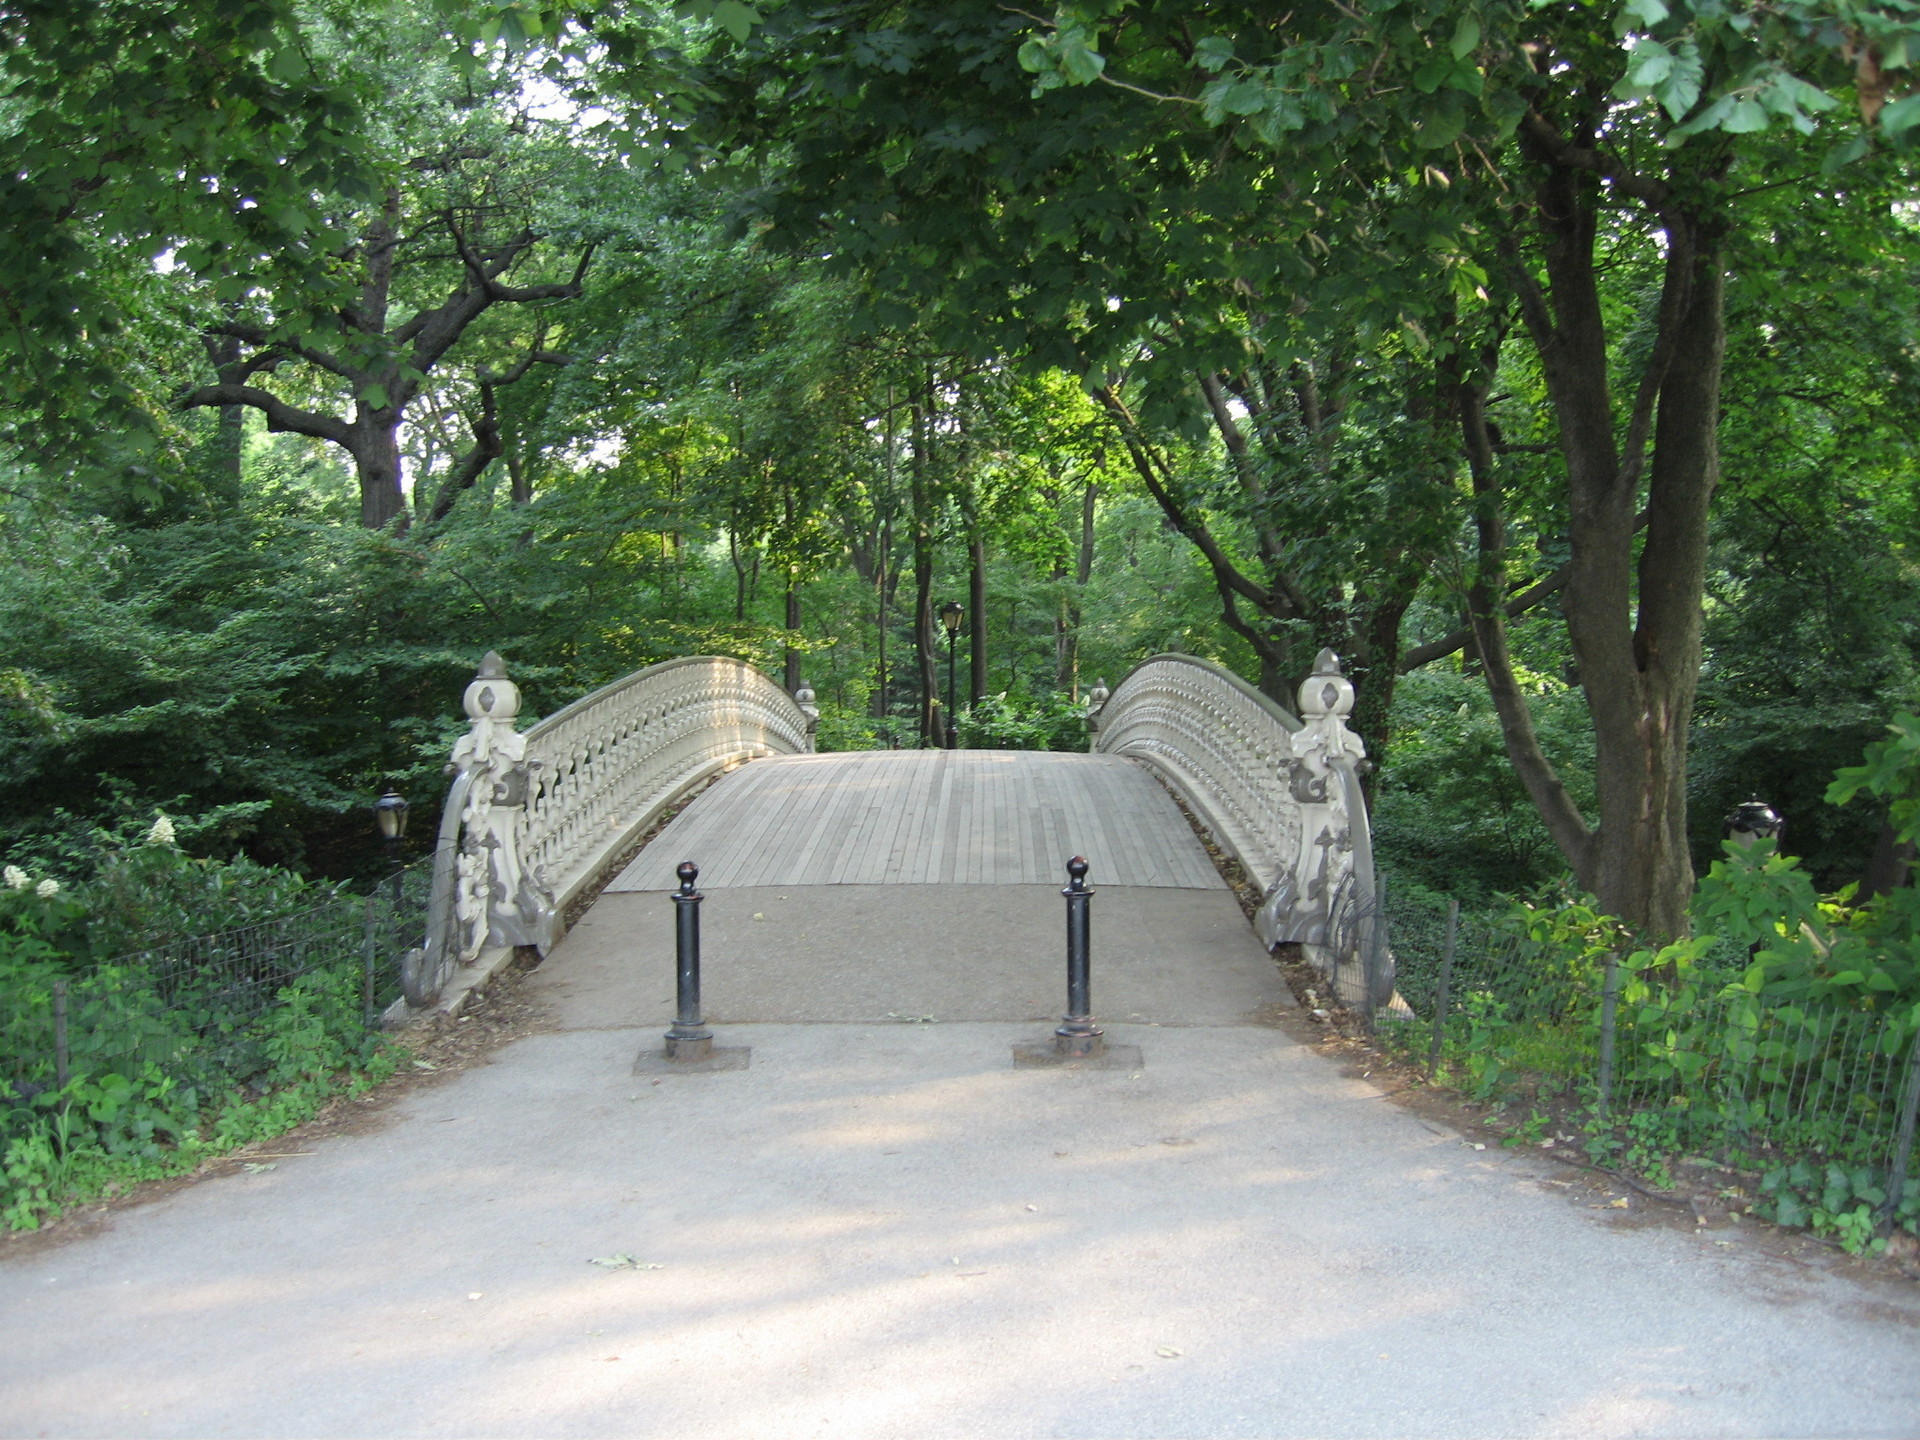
{"type": "Point", "coordinates": [538, 819]}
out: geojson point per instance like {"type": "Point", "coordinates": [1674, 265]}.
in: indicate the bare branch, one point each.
{"type": "Point", "coordinates": [1657, 194]}
{"type": "Point", "coordinates": [1189, 525]}
{"type": "Point", "coordinates": [281, 417]}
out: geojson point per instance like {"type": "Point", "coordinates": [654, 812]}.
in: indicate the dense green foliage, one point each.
{"type": "Point", "coordinates": [172, 1009]}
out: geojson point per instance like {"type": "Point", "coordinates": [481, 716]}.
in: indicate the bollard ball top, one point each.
{"type": "Point", "coordinates": [1077, 869]}
{"type": "Point", "coordinates": [688, 873]}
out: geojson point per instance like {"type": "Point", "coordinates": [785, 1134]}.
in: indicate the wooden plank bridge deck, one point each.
{"type": "Point", "coordinates": [929, 817]}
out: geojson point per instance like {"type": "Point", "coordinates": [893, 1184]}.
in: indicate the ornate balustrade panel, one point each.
{"type": "Point", "coordinates": [605, 766]}
{"type": "Point", "coordinates": [1279, 792]}
{"type": "Point", "coordinates": [534, 816]}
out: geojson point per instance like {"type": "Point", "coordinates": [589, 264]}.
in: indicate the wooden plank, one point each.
{"type": "Point", "coordinates": [817, 836]}
{"type": "Point", "coordinates": [929, 817]}
{"type": "Point", "coordinates": [775, 794]}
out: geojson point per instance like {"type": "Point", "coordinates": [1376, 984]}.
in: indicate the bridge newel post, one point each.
{"type": "Point", "coordinates": [689, 1039]}
{"type": "Point", "coordinates": [1078, 1036]}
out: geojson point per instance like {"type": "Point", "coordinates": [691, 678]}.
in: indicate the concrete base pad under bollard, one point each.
{"type": "Point", "coordinates": [1038, 1054]}
{"type": "Point", "coordinates": [655, 1061]}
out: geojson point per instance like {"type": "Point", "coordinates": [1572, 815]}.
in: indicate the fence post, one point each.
{"type": "Point", "coordinates": [1903, 1146]}
{"type": "Point", "coordinates": [366, 969]}
{"type": "Point", "coordinates": [1609, 1005]}
{"type": "Point", "coordinates": [61, 1071]}
{"type": "Point", "coordinates": [1446, 983]}
{"type": "Point", "coordinates": [1373, 961]}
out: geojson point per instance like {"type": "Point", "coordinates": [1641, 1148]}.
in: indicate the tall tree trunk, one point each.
{"type": "Point", "coordinates": [1888, 866]}
{"type": "Point", "coordinates": [925, 652]}
{"type": "Point", "coordinates": [376, 463]}
{"type": "Point", "coordinates": [229, 438]}
{"type": "Point", "coordinates": [882, 607]}
{"type": "Point", "coordinates": [1644, 868]}
{"type": "Point", "coordinates": [792, 655]}
{"type": "Point", "coordinates": [1638, 646]}
{"type": "Point", "coordinates": [739, 571]}
{"type": "Point", "coordinates": [793, 675]}
{"type": "Point", "coordinates": [1487, 614]}
{"type": "Point", "coordinates": [1074, 602]}
{"type": "Point", "coordinates": [977, 621]}
{"type": "Point", "coordinates": [1063, 631]}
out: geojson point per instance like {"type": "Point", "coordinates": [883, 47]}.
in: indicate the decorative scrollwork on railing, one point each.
{"type": "Point", "coordinates": [1282, 794]}
{"type": "Point", "coordinates": [534, 816]}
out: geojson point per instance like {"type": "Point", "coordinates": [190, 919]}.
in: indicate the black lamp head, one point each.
{"type": "Point", "coordinates": [391, 811]}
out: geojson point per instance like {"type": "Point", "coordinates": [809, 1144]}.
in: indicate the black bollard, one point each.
{"type": "Point", "coordinates": [1078, 1035]}
{"type": "Point", "coordinates": [689, 1039]}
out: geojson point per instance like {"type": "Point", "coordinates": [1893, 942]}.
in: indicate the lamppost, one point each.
{"type": "Point", "coordinates": [391, 811]}
{"type": "Point", "coordinates": [1750, 821]}
{"type": "Point", "coordinates": [951, 614]}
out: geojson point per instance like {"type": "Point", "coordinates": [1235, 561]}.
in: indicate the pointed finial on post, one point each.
{"type": "Point", "coordinates": [491, 695]}
{"type": "Point", "coordinates": [1326, 691]}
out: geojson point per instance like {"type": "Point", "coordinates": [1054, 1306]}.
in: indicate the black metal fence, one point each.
{"type": "Point", "coordinates": [1355, 957]}
{"type": "Point", "coordinates": [211, 1012]}
{"type": "Point", "coordinates": [1668, 1057]}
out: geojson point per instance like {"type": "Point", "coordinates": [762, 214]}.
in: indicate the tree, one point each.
{"type": "Point", "coordinates": [435, 254]}
{"type": "Point", "coordinates": [1535, 140]}
{"type": "Point", "coordinates": [137, 129]}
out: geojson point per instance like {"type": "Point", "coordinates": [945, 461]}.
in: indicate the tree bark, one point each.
{"type": "Point", "coordinates": [920, 486]}
{"type": "Point", "coordinates": [977, 620]}
{"type": "Point", "coordinates": [382, 389]}
{"type": "Point", "coordinates": [1635, 627]}
{"type": "Point", "coordinates": [791, 657]}
{"type": "Point", "coordinates": [1487, 616]}
{"type": "Point", "coordinates": [793, 666]}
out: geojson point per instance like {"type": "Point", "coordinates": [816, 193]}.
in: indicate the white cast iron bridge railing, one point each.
{"type": "Point", "coordinates": [533, 817]}
{"type": "Point", "coordinates": [1280, 792]}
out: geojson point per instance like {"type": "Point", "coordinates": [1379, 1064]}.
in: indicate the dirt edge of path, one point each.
{"type": "Point", "coordinates": [1329, 1029]}
{"type": "Point", "coordinates": [433, 1051]}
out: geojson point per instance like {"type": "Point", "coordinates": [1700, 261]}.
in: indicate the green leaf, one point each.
{"type": "Point", "coordinates": [1245, 97]}
{"type": "Point", "coordinates": [1745, 118]}
{"type": "Point", "coordinates": [1433, 74]}
{"type": "Point", "coordinates": [1082, 65]}
{"type": "Point", "coordinates": [374, 397]}
{"type": "Point", "coordinates": [1213, 53]}
{"type": "Point", "coordinates": [1466, 37]}
{"type": "Point", "coordinates": [736, 19]}
{"type": "Point", "coordinates": [1900, 117]}
{"type": "Point", "coordinates": [1682, 88]}
{"type": "Point", "coordinates": [1648, 63]}
{"type": "Point", "coordinates": [1644, 13]}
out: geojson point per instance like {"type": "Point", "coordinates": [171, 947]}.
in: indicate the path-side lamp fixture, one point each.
{"type": "Point", "coordinates": [390, 810]}
{"type": "Point", "coordinates": [952, 614]}
{"type": "Point", "coordinates": [1752, 820]}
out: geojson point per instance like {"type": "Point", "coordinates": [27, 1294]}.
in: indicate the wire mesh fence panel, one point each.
{"type": "Point", "coordinates": [1356, 957]}
{"type": "Point", "coordinates": [211, 1012]}
{"type": "Point", "coordinates": [1686, 1059]}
